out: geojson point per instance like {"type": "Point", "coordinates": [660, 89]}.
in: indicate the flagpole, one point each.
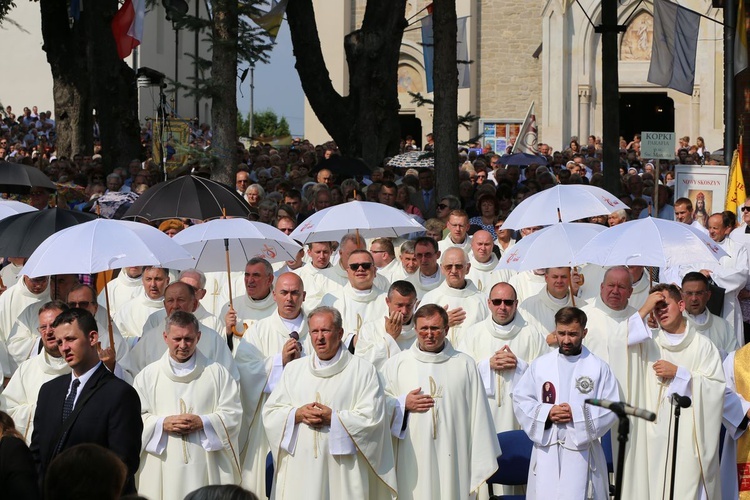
{"type": "Point", "coordinates": [730, 117]}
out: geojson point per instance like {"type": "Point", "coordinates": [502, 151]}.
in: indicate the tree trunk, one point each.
{"type": "Point", "coordinates": [87, 74]}
{"type": "Point", "coordinates": [224, 100]}
{"type": "Point", "coordinates": [364, 123]}
{"type": "Point", "coordinates": [445, 119]}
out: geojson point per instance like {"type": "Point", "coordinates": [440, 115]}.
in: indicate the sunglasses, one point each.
{"type": "Point", "coordinates": [82, 304]}
{"type": "Point", "coordinates": [364, 265]}
{"type": "Point", "coordinates": [745, 209]}
{"type": "Point", "coordinates": [507, 302]}
{"type": "Point", "coordinates": [457, 267]}
{"type": "Point", "coordinates": [442, 206]}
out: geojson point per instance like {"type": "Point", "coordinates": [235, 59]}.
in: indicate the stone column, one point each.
{"type": "Point", "coordinates": [695, 115]}
{"type": "Point", "coordinates": [584, 113]}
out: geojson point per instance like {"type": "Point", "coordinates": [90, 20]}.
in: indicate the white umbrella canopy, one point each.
{"type": "Point", "coordinates": [563, 203]}
{"type": "Point", "coordinates": [101, 245]}
{"type": "Point", "coordinates": [12, 207]}
{"type": "Point", "coordinates": [207, 243]}
{"type": "Point", "coordinates": [368, 219]}
{"type": "Point", "coordinates": [553, 246]}
{"type": "Point", "coordinates": [650, 242]}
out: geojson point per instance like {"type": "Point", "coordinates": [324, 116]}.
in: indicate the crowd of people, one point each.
{"type": "Point", "coordinates": [376, 368]}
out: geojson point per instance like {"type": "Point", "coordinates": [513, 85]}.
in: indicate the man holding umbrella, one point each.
{"type": "Point", "coordinates": [253, 305]}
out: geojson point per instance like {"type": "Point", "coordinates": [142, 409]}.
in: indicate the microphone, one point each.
{"type": "Point", "coordinates": [622, 409]}
{"type": "Point", "coordinates": [681, 401]}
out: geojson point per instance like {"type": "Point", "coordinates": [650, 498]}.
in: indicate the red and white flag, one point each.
{"type": "Point", "coordinates": [526, 142]}
{"type": "Point", "coordinates": [127, 26]}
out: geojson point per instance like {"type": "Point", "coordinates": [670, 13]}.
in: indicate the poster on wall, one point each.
{"type": "Point", "coordinates": [499, 134]}
{"type": "Point", "coordinates": [704, 186]}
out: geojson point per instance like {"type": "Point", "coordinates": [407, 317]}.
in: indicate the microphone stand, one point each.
{"type": "Point", "coordinates": [623, 429]}
{"type": "Point", "coordinates": [677, 402]}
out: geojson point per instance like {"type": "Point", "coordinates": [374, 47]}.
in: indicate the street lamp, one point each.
{"type": "Point", "coordinates": [175, 10]}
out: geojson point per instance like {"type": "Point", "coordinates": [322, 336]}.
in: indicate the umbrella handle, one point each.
{"type": "Point", "coordinates": [238, 333]}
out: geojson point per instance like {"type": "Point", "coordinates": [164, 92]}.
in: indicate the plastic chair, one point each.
{"type": "Point", "coordinates": [513, 464]}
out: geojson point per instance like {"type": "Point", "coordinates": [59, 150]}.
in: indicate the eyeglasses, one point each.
{"type": "Point", "coordinates": [83, 304]}
{"type": "Point", "coordinates": [286, 230]}
{"type": "Point", "coordinates": [45, 328]}
{"type": "Point", "coordinates": [457, 267]}
{"type": "Point", "coordinates": [694, 294]}
{"type": "Point", "coordinates": [442, 206]}
{"type": "Point", "coordinates": [364, 265]}
{"type": "Point", "coordinates": [507, 302]}
{"type": "Point", "coordinates": [745, 209]}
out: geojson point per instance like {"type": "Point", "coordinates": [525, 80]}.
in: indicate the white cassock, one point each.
{"type": "Point", "coordinates": [9, 274]}
{"type": "Point", "coordinates": [12, 303]}
{"type": "Point", "coordinates": [338, 275]}
{"type": "Point", "coordinates": [353, 458]}
{"type": "Point", "coordinates": [619, 339]}
{"type": "Point", "coordinates": [400, 274]}
{"type": "Point", "coordinates": [730, 273]}
{"type": "Point", "coordinates": [316, 285]}
{"type": "Point", "coordinates": [377, 346]}
{"type": "Point", "coordinates": [122, 289]}
{"type": "Point", "coordinates": [25, 341]}
{"type": "Point", "coordinates": [567, 461]}
{"type": "Point", "coordinates": [249, 311]}
{"type": "Point", "coordinates": [542, 308]}
{"type": "Point", "coordinates": [641, 290]}
{"type": "Point", "coordinates": [717, 330]}
{"type": "Point", "coordinates": [20, 396]}
{"type": "Point", "coordinates": [217, 291]}
{"type": "Point", "coordinates": [483, 274]}
{"type": "Point", "coordinates": [471, 300]}
{"type": "Point", "coordinates": [424, 284]}
{"type": "Point", "coordinates": [357, 306]}
{"type": "Point", "coordinates": [172, 465]}
{"type": "Point", "coordinates": [388, 270]}
{"type": "Point", "coordinates": [259, 361]}
{"type": "Point", "coordinates": [132, 316]}
{"type": "Point", "coordinates": [593, 275]}
{"type": "Point", "coordinates": [526, 340]}
{"type": "Point", "coordinates": [499, 245]}
{"type": "Point", "coordinates": [527, 284]}
{"type": "Point", "coordinates": [151, 347]}
{"type": "Point", "coordinates": [204, 317]}
{"type": "Point", "coordinates": [700, 376]}
{"type": "Point", "coordinates": [449, 451]}
{"type": "Point", "coordinates": [447, 243]}
{"type": "Point", "coordinates": [736, 407]}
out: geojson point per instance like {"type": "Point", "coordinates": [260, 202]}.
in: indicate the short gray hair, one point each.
{"type": "Point", "coordinates": [338, 322]}
{"type": "Point", "coordinates": [264, 262]}
{"type": "Point", "coordinates": [201, 276]}
{"type": "Point", "coordinates": [183, 319]}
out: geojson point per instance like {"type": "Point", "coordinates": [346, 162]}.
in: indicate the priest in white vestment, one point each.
{"type": "Point", "coordinates": [483, 263]}
{"type": "Point", "coordinates": [132, 316]}
{"type": "Point", "coordinates": [384, 253]}
{"type": "Point", "coordinates": [683, 362]}
{"type": "Point", "coordinates": [191, 418]}
{"type": "Point", "coordinates": [730, 272]}
{"type": "Point", "coordinates": [217, 289]}
{"type": "Point", "coordinates": [696, 293]}
{"type": "Point", "coordinates": [338, 273]}
{"type": "Point", "coordinates": [446, 447]}
{"type": "Point", "coordinates": [19, 398]}
{"type": "Point", "coordinates": [360, 299]}
{"type": "Point", "coordinates": [179, 296]}
{"type": "Point", "coordinates": [409, 265]}
{"type": "Point", "coordinates": [429, 276]}
{"type": "Point", "coordinates": [462, 300]}
{"type": "Point", "coordinates": [383, 338]}
{"type": "Point", "coordinates": [326, 422]}
{"type": "Point", "coordinates": [555, 295]}
{"type": "Point", "coordinates": [261, 358]}
{"type": "Point", "coordinates": [528, 283]}
{"type": "Point", "coordinates": [567, 461]}
{"type": "Point", "coordinates": [126, 286]}
{"type": "Point", "coordinates": [319, 254]}
{"type": "Point", "coordinates": [641, 286]}
{"type": "Point", "coordinates": [458, 232]}
{"type": "Point", "coordinates": [254, 304]}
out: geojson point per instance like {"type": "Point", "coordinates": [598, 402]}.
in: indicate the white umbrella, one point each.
{"type": "Point", "coordinates": [553, 246]}
{"type": "Point", "coordinates": [209, 242]}
{"type": "Point", "coordinates": [101, 245]}
{"type": "Point", "coordinates": [650, 242]}
{"type": "Point", "coordinates": [368, 219]}
{"type": "Point", "coordinates": [562, 203]}
{"type": "Point", "coordinates": [223, 244]}
{"type": "Point", "coordinates": [12, 207]}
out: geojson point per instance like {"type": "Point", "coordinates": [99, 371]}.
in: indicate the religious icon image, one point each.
{"type": "Point", "coordinates": [702, 201]}
{"type": "Point", "coordinates": [638, 38]}
{"type": "Point", "coordinates": [548, 393]}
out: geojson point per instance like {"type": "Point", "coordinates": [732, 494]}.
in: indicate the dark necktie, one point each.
{"type": "Point", "coordinates": [68, 405]}
{"type": "Point", "coordinates": [747, 229]}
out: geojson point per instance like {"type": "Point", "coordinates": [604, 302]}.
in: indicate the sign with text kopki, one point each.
{"type": "Point", "coordinates": [657, 145]}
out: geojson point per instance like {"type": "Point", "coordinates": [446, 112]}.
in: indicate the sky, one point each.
{"type": "Point", "coordinates": [277, 85]}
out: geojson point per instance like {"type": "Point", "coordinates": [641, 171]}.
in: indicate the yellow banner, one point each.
{"type": "Point", "coordinates": [736, 190]}
{"type": "Point", "coordinates": [742, 384]}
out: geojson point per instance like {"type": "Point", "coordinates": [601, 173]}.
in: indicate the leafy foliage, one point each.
{"type": "Point", "coordinates": [265, 123]}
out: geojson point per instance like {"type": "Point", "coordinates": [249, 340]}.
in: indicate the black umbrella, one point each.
{"type": "Point", "coordinates": [344, 167]}
{"type": "Point", "coordinates": [523, 159]}
{"type": "Point", "coordinates": [188, 197]}
{"type": "Point", "coordinates": [20, 178]}
{"type": "Point", "coordinates": [21, 234]}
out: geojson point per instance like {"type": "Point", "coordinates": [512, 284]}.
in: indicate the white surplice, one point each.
{"type": "Point", "coordinates": [122, 289]}
{"type": "Point", "coordinates": [449, 451]}
{"type": "Point", "coordinates": [132, 316]}
{"type": "Point", "coordinates": [717, 330]}
{"type": "Point", "coordinates": [424, 284]}
{"type": "Point", "coordinates": [483, 274]}
{"type": "Point", "coordinates": [377, 346]}
{"type": "Point", "coordinates": [527, 284]}
{"type": "Point", "coordinates": [542, 308]}
{"type": "Point", "coordinates": [12, 303]}
{"type": "Point", "coordinates": [173, 465]}
{"type": "Point", "coordinates": [249, 311]}
{"type": "Point", "coordinates": [469, 298]}
{"type": "Point", "coordinates": [205, 318]}
{"type": "Point", "coordinates": [567, 461]}
{"type": "Point", "coordinates": [356, 306]}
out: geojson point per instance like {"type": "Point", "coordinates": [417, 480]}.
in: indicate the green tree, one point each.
{"type": "Point", "coordinates": [265, 123]}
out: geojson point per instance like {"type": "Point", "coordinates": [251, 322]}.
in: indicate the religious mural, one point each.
{"type": "Point", "coordinates": [637, 39]}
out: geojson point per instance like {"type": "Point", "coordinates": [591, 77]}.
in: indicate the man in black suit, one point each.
{"type": "Point", "coordinates": [89, 406]}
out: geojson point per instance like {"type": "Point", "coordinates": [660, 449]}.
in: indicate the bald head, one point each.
{"type": "Point", "coordinates": [481, 246]}
{"type": "Point", "coordinates": [454, 254]}
{"type": "Point", "coordinates": [289, 294]}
